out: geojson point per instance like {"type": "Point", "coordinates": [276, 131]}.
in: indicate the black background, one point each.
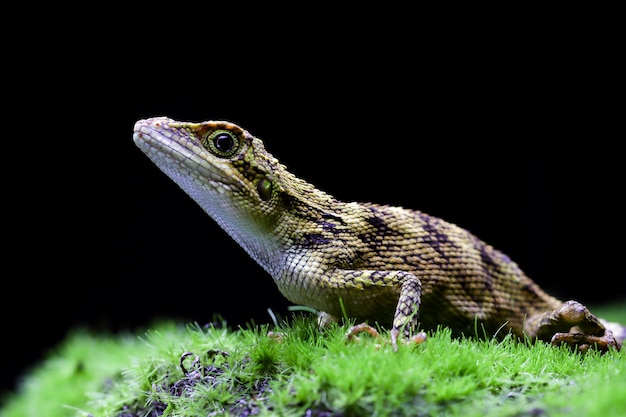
{"type": "Point", "coordinates": [515, 139]}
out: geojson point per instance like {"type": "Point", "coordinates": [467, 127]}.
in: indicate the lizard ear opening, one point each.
{"type": "Point", "coordinates": [264, 188]}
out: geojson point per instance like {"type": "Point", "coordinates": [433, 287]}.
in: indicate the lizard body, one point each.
{"type": "Point", "coordinates": [396, 266]}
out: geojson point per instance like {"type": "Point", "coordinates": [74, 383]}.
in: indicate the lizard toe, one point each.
{"type": "Point", "coordinates": [582, 342]}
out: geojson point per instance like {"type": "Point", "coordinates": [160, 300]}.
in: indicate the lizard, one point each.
{"type": "Point", "coordinates": [373, 263]}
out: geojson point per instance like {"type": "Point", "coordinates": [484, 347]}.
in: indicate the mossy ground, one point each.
{"type": "Point", "coordinates": [295, 370]}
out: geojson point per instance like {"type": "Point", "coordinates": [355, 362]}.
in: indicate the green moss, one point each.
{"type": "Point", "coordinates": [295, 369]}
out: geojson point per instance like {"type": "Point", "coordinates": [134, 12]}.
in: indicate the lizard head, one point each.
{"type": "Point", "coordinates": [226, 170]}
{"type": "Point", "coordinates": [219, 164]}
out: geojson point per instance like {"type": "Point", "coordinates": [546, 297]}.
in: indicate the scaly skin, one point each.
{"type": "Point", "coordinates": [385, 264]}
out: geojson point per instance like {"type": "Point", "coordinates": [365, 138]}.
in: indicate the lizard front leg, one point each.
{"type": "Point", "coordinates": [572, 324]}
{"type": "Point", "coordinates": [406, 316]}
{"type": "Point", "coordinates": [367, 294]}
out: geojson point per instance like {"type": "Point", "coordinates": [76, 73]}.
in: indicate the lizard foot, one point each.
{"type": "Point", "coordinates": [583, 342]}
{"type": "Point", "coordinates": [416, 338]}
{"type": "Point", "coordinates": [394, 333]}
{"type": "Point", "coordinates": [574, 325]}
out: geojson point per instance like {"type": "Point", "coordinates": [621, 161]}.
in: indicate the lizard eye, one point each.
{"type": "Point", "coordinates": [222, 143]}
